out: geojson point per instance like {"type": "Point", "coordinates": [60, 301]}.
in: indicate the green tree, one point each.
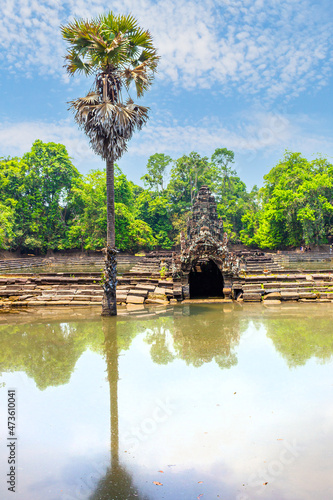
{"type": "Point", "coordinates": [37, 187]}
{"type": "Point", "coordinates": [156, 168]}
{"type": "Point", "coordinates": [233, 200]}
{"type": "Point", "coordinates": [89, 225]}
{"type": "Point", "coordinates": [296, 204]}
{"type": "Point", "coordinates": [156, 212]}
{"type": "Point", "coordinates": [118, 52]}
{"type": "Point", "coordinates": [6, 226]}
{"type": "Point", "coordinates": [188, 174]}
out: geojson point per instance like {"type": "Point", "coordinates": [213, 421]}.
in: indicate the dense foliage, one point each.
{"type": "Point", "coordinates": [45, 203]}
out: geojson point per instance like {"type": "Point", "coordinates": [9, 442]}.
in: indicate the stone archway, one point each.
{"type": "Point", "coordinates": [205, 280]}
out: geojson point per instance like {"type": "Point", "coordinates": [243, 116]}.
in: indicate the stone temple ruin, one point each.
{"type": "Point", "coordinates": [205, 266]}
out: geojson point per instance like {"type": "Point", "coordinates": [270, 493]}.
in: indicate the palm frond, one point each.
{"type": "Point", "coordinates": [142, 38]}
{"type": "Point", "coordinates": [111, 43]}
{"type": "Point", "coordinates": [109, 126]}
{"type": "Point", "coordinates": [76, 64]}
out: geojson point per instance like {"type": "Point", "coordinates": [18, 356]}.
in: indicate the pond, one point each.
{"type": "Point", "coordinates": [201, 401]}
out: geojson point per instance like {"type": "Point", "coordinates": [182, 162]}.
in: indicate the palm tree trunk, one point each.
{"type": "Point", "coordinates": [109, 304]}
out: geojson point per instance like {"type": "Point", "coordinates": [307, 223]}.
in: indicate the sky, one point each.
{"type": "Point", "coordinates": [254, 76]}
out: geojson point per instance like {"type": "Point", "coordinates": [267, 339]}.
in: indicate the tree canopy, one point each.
{"type": "Point", "coordinates": [45, 203]}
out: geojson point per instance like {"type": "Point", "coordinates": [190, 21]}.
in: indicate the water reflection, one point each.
{"type": "Point", "coordinates": [236, 405]}
{"type": "Point", "coordinates": [197, 336]}
{"type": "Point", "coordinates": [117, 483]}
{"type": "Point", "coordinates": [299, 336]}
{"type": "Point", "coordinates": [45, 351]}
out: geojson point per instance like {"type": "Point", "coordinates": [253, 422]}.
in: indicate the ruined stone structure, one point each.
{"type": "Point", "coordinates": [205, 267]}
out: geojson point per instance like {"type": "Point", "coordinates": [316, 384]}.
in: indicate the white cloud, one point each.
{"type": "Point", "coordinates": [17, 139]}
{"type": "Point", "coordinates": [274, 47]}
{"type": "Point", "coordinates": [256, 133]}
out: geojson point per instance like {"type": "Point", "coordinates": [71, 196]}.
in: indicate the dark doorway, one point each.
{"type": "Point", "coordinates": [206, 280]}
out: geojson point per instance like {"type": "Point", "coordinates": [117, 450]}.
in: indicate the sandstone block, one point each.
{"type": "Point", "coordinates": [150, 288]}
{"type": "Point", "coordinates": [273, 296]}
{"type": "Point", "coordinates": [251, 297]}
{"type": "Point", "coordinates": [307, 295]}
{"type": "Point", "coordinates": [134, 299]}
{"type": "Point", "coordinates": [289, 296]}
{"type": "Point", "coordinates": [159, 296]}
{"type": "Point", "coordinates": [157, 301]}
{"type": "Point", "coordinates": [138, 291]}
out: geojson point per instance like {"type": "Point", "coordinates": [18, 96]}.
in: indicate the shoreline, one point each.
{"type": "Point", "coordinates": [135, 291]}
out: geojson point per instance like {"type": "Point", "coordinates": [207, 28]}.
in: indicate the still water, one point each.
{"type": "Point", "coordinates": [200, 401]}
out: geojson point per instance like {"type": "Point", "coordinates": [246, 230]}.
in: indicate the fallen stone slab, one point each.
{"type": "Point", "coordinates": [307, 295]}
{"type": "Point", "coordinates": [289, 296]}
{"type": "Point", "coordinates": [160, 290]}
{"type": "Point", "coordinates": [145, 286]}
{"type": "Point", "coordinates": [135, 307]}
{"type": "Point", "coordinates": [139, 292]}
{"type": "Point", "coordinates": [273, 302]}
{"type": "Point", "coordinates": [251, 297]}
{"type": "Point", "coordinates": [121, 296]}
{"type": "Point", "coordinates": [272, 296]}
{"type": "Point", "coordinates": [158, 301]}
{"type": "Point", "coordinates": [135, 299]}
{"type": "Point", "coordinates": [160, 296]}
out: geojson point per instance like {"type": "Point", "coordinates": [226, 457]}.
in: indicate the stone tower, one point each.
{"type": "Point", "coordinates": [205, 261]}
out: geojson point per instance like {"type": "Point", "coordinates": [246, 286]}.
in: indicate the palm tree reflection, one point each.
{"type": "Point", "coordinates": [117, 483]}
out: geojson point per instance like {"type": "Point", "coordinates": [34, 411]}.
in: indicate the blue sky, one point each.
{"type": "Point", "coordinates": [254, 76]}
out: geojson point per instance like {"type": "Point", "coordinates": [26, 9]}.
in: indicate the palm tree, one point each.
{"type": "Point", "coordinates": [118, 53]}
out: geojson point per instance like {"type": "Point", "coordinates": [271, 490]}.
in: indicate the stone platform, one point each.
{"type": "Point", "coordinates": [144, 287]}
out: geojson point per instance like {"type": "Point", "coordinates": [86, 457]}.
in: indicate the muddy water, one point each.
{"type": "Point", "coordinates": [192, 402]}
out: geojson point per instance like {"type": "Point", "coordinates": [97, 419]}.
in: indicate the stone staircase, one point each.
{"type": "Point", "coordinates": [286, 258]}
{"type": "Point", "coordinates": [315, 287]}
{"type": "Point", "coordinates": [77, 262]}
{"type": "Point", "coordinates": [64, 289]}
{"type": "Point", "coordinates": [150, 267]}
{"type": "Point", "coordinates": [260, 263]}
